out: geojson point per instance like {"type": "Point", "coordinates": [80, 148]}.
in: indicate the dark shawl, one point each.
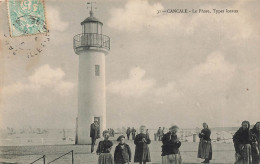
{"type": "Point", "coordinates": [170, 144]}
{"type": "Point", "coordinates": [104, 146]}
{"type": "Point", "coordinates": [205, 134]}
{"type": "Point", "coordinates": [242, 137]}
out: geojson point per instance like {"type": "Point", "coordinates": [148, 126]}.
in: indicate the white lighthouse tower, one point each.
{"type": "Point", "coordinates": [91, 46]}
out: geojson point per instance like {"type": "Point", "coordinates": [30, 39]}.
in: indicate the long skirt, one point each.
{"type": "Point", "coordinates": [142, 153]}
{"type": "Point", "coordinates": [205, 150]}
{"type": "Point", "coordinates": [105, 158]}
{"type": "Point", "coordinates": [172, 159]}
{"type": "Point", "coordinates": [245, 156]}
{"type": "Point", "coordinates": [256, 154]}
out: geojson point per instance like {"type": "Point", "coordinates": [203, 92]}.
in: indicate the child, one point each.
{"type": "Point", "coordinates": [142, 153]}
{"type": "Point", "coordinates": [122, 153]}
{"type": "Point", "coordinates": [103, 150]}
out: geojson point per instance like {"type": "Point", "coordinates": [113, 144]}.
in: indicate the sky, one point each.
{"type": "Point", "coordinates": [162, 69]}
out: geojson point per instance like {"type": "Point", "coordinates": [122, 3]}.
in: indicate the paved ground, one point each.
{"type": "Point", "coordinates": [222, 153]}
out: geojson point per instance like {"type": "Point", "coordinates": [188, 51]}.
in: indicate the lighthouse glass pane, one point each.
{"type": "Point", "coordinates": [99, 28]}
{"type": "Point", "coordinates": [97, 70]}
{"type": "Point", "coordinates": [91, 27]}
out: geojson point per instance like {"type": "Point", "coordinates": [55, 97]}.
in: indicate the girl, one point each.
{"type": "Point", "coordinates": [142, 154]}
{"type": "Point", "coordinates": [122, 153]}
{"type": "Point", "coordinates": [103, 150]}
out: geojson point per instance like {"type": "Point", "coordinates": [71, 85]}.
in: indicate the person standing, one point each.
{"type": "Point", "coordinates": [170, 147]}
{"type": "Point", "coordinates": [163, 131]}
{"type": "Point", "coordinates": [142, 153]}
{"type": "Point", "coordinates": [256, 145]}
{"type": "Point", "coordinates": [94, 133]}
{"type": "Point", "coordinates": [147, 133]}
{"type": "Point", "coordinates": [133, 133]}
{"type": "Point", "coordinates": [128, 132]}
{"type": "Point", "coordinates": [103, 150]}
{"type": "Point", "coordinates": [243, 140]}
{"type": "Point", "coordinates": [159, 134]}
{"type": "Point", "coordinates": [122, 153]}
{"type": "Point", "coordinates": [205, 147]}
{"type": "Point", "coordinates": [113, 132]}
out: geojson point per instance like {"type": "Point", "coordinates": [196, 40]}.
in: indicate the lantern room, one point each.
{"type": "Point", "coordinates": [91, 35]}
{"type": "Point", "coordinates": [91, 25]}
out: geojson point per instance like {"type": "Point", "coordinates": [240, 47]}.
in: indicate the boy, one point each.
{"type": "Point", "coordinates": [122, 153]}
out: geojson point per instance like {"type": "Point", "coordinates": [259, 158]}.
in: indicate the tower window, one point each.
{"type": "Point", "coordinates": [97, 70]}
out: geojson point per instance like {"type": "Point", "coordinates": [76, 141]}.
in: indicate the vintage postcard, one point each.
{"type": "Point", "coordinates": [132, 81]}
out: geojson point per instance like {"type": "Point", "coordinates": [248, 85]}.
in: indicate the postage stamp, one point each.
{"type": "Point", "coordinates": [26, 17]}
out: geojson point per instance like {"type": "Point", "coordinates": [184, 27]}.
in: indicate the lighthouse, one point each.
{"type": "Point", "coordinates": [91, 46]}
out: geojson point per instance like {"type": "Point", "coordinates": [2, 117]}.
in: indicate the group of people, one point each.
{"type": "Point", "coordinates": [111, 132]}
{"type": "Point", "coordinates": [246, 143]}
{"type": "Point", "coordinates": [160, 133]}
{"type": "Point", "coordinates": [130, 131]}
{"type": "Point", "coordinates": [122, 153]}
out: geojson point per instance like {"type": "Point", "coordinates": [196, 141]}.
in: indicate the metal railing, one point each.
{"type": "Point", "coordinates": [72, 157]}
{"type": "Point", "coordinates": [91, 40]}
{"type": "Point", "coordinates": [43, 157]}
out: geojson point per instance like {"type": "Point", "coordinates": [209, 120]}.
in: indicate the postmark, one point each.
{"type": "Point", "coordinates": [26, 17]}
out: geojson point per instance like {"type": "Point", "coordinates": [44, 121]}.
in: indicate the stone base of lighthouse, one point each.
{"type": "Point", "coordinates": [91, 93]}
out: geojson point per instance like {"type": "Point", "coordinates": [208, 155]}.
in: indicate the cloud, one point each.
{"type": "Point", "coordinates": [141, 16]}
{"type": "Point", "coordinates": [215, 69]}
{"type": "Point", "coordinates": [137, 85]}
{"type": "Point", "coordinates": [43, 77]}
{"type": "Point", "coordinates": [166, 93]}
{"type": "Point", "coordinates": [134, 86]}
{"type": "Point", "coordinates": [214, 64]}
{"type": "Point", "coordinates": [170, 87]}
{"type": "Point", "coordinates": [54, 20]}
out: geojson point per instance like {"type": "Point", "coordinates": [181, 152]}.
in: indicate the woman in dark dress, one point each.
{"type": "Point", "coordinates": [243, 140]}
{"type": "Point", "coordinates": [142, 153]}
{"type": "Point", "coordinates": [205, 147]}
{"type": "Point", "coordinates": [256, 145]}
{"type": "Point", "coordinates": [170, 147]}
{"type": "Point", "coordinates": [103, 150]}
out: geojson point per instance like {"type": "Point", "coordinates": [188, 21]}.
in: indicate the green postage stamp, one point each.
{"type": "Point", "coordinates": [26, 17]}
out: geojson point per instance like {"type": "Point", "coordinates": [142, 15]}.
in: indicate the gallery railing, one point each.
{"type": "Point", "coordinates": [91, 40]}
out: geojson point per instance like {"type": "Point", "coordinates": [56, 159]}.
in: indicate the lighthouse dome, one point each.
{"type": "Point", "coordinates": [91, 19]}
